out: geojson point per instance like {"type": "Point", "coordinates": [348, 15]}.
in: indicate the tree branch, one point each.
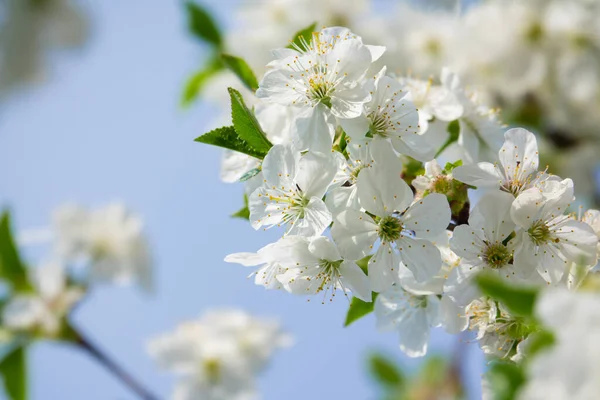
{"type": "Point", "coordinates": [112, 366]}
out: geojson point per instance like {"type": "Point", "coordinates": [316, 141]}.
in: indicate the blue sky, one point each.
{"type": "Point", "coordinates": [106, 126]}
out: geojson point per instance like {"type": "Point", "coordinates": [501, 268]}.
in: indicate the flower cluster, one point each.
{"type": "Point", "coordinates": [364, 206]}
{"type": "Point", "coordinates": [87, 247]}
{"type": "Point", "coordinates": [537, 60]}
{"type": "Point", "coordinates": [219, 355]}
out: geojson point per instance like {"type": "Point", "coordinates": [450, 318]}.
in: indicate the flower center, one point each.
{"type": "Point", "coordinates": [390, 229]}
{"type": "Point", "coordinates": [441, 184]}
{"type": "Point", "coordinates": [211, 367]}
{"type": "Point", "coordinates": [497, 255]}
{"type": "Point", "coordinates": [355, 172]}
{"type": "Point", "coordinates": [539, 232]}
{"type": "Point", "coordinates": [379, 125]}
{"type": "Point", "coordinates": [320, 90]}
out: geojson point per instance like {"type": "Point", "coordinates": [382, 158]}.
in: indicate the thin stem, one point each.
{"type": "Point", "coordinates": [113, 367]}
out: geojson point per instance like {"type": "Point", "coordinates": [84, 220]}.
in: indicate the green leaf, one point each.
{"type": "Point", "coordinates": [505, 379]}
{"type": "Point", "coordinates": [202, 24]}
{"type": "Point", "coordinates": [197, 81]}
{"type": "Point", "coordinates": [228, 138]}
{"type": "Point", "coordinates": [454, 130]}
{"type": "Point", "coordinates": [14, 373]}
{"type": "Point", "coordinates": [539, 341]}
{"type": "Point", "coordinates": [11, 267]}
{"type": "Point", "coordinates": [246, 125]}
{"type": "Point", "coordinates": [302, 37]}
{"type": "Point", "coordinates": [385, 372]}
{"type": "Point", "coordinates": [242, 70]}
{"type": "Point", "coordinates": [243, 213]}
{"type": "Point", "coordinates": [449, 167]}
{"type": "Point", "coordinates": [359, 309]}
{"type": "Point", "coordinates": [518, 300]}
{"type": "Point", "coordinates": [363, 263]}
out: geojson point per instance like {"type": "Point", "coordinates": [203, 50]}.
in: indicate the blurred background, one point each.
{"type": "Point", "coordinates": [90, 113]}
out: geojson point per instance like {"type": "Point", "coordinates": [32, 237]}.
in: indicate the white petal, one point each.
{"type": "Point", "coordinates": [314, 129]}
{"type": "Point", "coordinates": [467, 242]}
{"type": "Point", "coordinates": [316, 172]}
{"type": "Point", "coordinates": [421, 257]}
{"type": "Point", "coordinates": [454, 318]}
{"type": "Point", "coordinates": [322, 248]}
{"type": "Point", "coordinates": [245, 259]}
{"type": "Point", "coordinates": [414, 333]}
{"type": "Point", "coordinates": [356, 128]}
{"type": "Point", "coordinates": [578, 242]}
{"type": "Point", "coordinates": [354, 232]}
{"type": "Point", "coordinates": [279, 167]}
{"type": "Point", "coordinates": [342, 198]}
{"type": "Point", "coordinates": [481, 175]}
{"type": "Point", "coordinates": [492, 214]}
{"type": "Point", "coordinates": [526, 207]}
{"type": "Point", "coordinates": [460, 286]}
{"type": "Point", "coordinates": [264, 212]}
{"type": "Point", "coordinates": [428, 217]}
{"type": "Point", "coordinates": [382, 191]}
{"type": "Point", "coordinates": [414, 145]}
{"type": "Point", "coordinates": [316, 219]}
{"type": "Point", "coordinates": [355, 279]}
{"type": "Point", "coordinates": [519, 151]}
{"type": "Point", "coordinates": [383, 268]}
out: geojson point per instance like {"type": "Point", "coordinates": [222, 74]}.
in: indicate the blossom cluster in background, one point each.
{"type": "Point", "coordinates": [219, 355]}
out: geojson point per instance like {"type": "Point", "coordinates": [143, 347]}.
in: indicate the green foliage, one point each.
{"type": "Point", "coordinates": [244, 212]}
{"type": "Point", "coordinates": [241, 69]}
{"type": "Point", "coordinates": [304, 35]}
{"type": "Point", "coordinates": [518, 300]}
{"type": "Point", "coordinates": [202, 25]}
{"type": "Point", "coordinates": [411, 168]}
{"type": "Point", "coordinates": [363, 263]}
{"type": "Point", "coordinates": [385, 371]}
{"type": "Point", "coordinates": [453, 130]}
{"type": "Point", "coordinates": [505, 379]}
{"type": "Point", "coordinates": [359, 309]}
{"type": "Point", "coordinates": [228, 138]}
{"type": "Point", "coordinates": [14, 373]}
{"type": "Point", "coordinates": [12, 268]}
{"type": "Point", "coordinates": [449, 167]}
{"type": "Point", "coordinates": [539, 341]}
{"type": "Point", "coordinates": [196, 82]}
{"type": "Point", "coordinates": [246, 125]}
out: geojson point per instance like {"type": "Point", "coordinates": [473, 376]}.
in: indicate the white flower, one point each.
{"type": "Point", "coordinates": [110, 240]}
{"type": "Point", "coordinates": [325, 85]}
{"type": "Point", "coordinates": [323, 42]}
{"type": "Point", "coordinates": [267, 259]}
{"type": "Point", "coordinates": [433, 180]}
{"type": "Point", "coordinates": [390, 116]}
{"type": "Point", "coordinates": [218, 356]}
{"type": "Point", "coordinates": [44, 310]}
{"type": "Point", "coordinates": [516, 171]}
{"type": "Point", "coordinates": [294, 186]}
{"type": "Point", "coordinates": [315, 265]}
{"type": "Point", "coordinates": [360, 157]}
{"type": "Point", "coordinates": [396, 224]}
{"type": "Point", "coordinates": [411, 314]}
{"type": "Point", "coordinates": [480, 132]}
{"type": "Point", "coordinates": [432, 101]}
{"type": "Point", "coordinates": [492, 325]}
{"type": "Point", "coordinates": [481, 246]}
{"type": "Point", "coordinates": [570, 368]}
{"type": "Point", "coordinates": [548, 239]}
